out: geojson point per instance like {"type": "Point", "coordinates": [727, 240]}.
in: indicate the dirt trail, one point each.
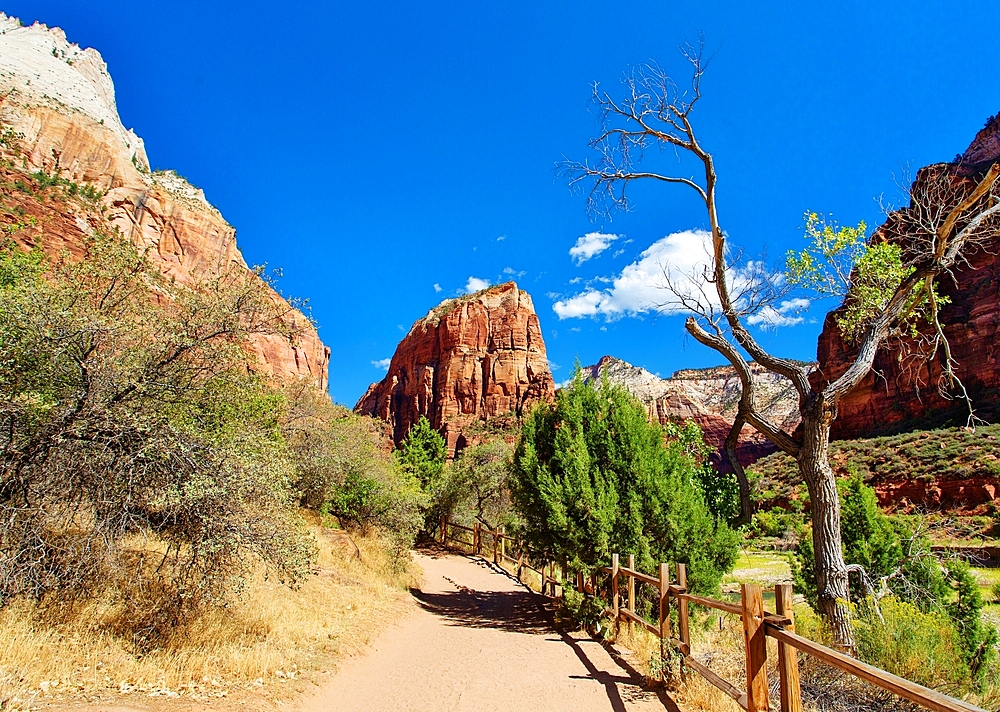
{"type": "Point", "coordinates": [478, 640]}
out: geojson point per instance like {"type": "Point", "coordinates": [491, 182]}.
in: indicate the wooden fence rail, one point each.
{"type": "Point", "coordinates": [551, 574]}
{"type": "Point", "coordinates": [758, 625]}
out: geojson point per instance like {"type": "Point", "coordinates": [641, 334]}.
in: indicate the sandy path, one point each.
{"type": "Point", "coordinates": [478, 640]}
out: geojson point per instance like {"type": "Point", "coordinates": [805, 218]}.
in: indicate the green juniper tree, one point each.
{"type": "Point", "coordinates": [593, 477]}
{"type": "Point", "coordinates": [423, 452]}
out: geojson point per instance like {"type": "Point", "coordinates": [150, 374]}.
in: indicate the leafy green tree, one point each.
{"type": "Point", "coordinates": [423, 453]}
{"type": "Point", "coordinates": [593, 476]}
{"type": "Point", "coordinates": [139, 451]}
{"type": "Point", "coordinates": [477, 486]}
{"type": "Point", "coordinates": [343, 466]}
{"type": "Point", "coordinates": [721, 490]}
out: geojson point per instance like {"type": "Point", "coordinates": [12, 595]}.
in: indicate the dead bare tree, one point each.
{"type": "Point", "coordinates": [947, 218]}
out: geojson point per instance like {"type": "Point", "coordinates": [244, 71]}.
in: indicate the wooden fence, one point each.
{"type": "Point", "coordinates": [758, 625]}
{"type": "Point", "coordinates": [497, 544]}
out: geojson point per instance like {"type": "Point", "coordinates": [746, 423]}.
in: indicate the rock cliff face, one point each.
{"type": "Point", "coordinates": [468, 360]}
{"type": "Point", "coordinates": [709, 397]}
{"type": "Point", "coordinates": [61, 98]}
{"type": "Point", "coordinates": [901, 395]}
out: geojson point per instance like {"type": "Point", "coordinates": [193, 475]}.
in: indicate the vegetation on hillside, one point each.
{"type": "Point", "coordinates": [925, 455]}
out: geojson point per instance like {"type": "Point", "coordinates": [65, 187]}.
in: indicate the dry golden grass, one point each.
{"type": "Point", "coordinates": [273, 636]}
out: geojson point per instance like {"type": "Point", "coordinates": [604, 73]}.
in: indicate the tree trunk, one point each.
{"type": "Point", "coordinates": [831, 570]}
{"type": "Point", "coordinates": [729, 447]}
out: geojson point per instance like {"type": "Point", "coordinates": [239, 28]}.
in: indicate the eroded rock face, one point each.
{"type": "Point", "coordinates": [61, 98]}
{"type": "Point", "coordinates": [709, 397]}
{"type": "Point", "coordinates": [901, 394]}
{"type": "Point", "coordinates": [468, 360]}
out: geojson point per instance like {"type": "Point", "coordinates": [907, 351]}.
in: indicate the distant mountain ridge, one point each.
{"type": "Point", "coordinates": [708, 396]}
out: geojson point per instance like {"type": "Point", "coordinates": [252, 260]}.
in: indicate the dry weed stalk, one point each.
{"type": "Point", "coordinates": [270, 638]}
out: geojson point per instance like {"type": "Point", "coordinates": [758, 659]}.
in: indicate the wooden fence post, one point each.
{"type": "Point", "coordinates": [682, 611]}
{"type": "Point", "coordinates": [788, 659]}
{"type": "Point", "coordinates": [541, 570]}
{"type": "Point", "coordinates": [475, 539]}
{"type": "Point", "coordinates": [664, 616]}
{"type": "Point", "coordinates": [520, 564]}
{"type": "Point", "coordinates": [614, 585]}
{"type": "Point", "coordinates": [552, 577]}
{"type": "Point", "coordinates": [444, 529]}
{"type": "Point", "coordinates": [756, 647]}
{"type": "Point", "coordinates": [631, 589]}
{"type": "Point", "coordinates": [496, 547]}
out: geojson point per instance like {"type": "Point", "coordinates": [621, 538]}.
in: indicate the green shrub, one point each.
{"type": "Point", "coordinates": [140, 453]}
{"type": "Point", "coordinates": [978, 639]}
{"type": "Point", "coordinates": [888, 550]}
{"type": "Point", "coordinates": [593, 476]}
{"type": "Point", "coordinates": [916, 645]}
{"type": "Point", "coordinates": [379, 497]}
{"type": "Point", "coordinates": [586, 611]}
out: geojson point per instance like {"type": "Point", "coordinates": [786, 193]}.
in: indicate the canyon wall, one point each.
{"type": "Point", "coordinates": [61, 99]}
{"type": "Point", "coordinates": [470, 359]}
{"type": "Point", "coordinates": [900, 394]}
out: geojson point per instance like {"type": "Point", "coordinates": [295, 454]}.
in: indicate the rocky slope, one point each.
{"type": "Point", "coordinates": [708, 396]}
{"type": "Point", "coordinates": [62, 100]}
{"type": "Point", "coordinates": [901, 395]}
{"type": "Point", "coordinates": [954, 470]}
{"type": "Point", "coordinates": [469, 360]}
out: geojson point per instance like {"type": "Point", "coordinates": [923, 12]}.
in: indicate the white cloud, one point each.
{"type": "Point", "coordinates": [678, 259]}
{"type": "Point", "coordinates": [771, 318]}
{"type": "Point", "coordinates": [639, 287]}
{"type": "Point", "coordinates": [513, 272]}
{"type": "Point", "coordinates": [475, 284]}
{"type": "Point", "coordinates": [590, 245]}
{"type": "Point", "coordinates": [437, 287]}
{"type": "Point", "coordinates": [501, 238]}
{"type": "Point", "coordinates": [382, 364]}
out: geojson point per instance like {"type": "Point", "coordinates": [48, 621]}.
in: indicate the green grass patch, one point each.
{"type": "Point", "coordinates": [760, 567]}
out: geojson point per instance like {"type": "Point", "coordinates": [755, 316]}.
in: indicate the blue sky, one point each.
{"type": "Point", "coordinates": [375, 150]}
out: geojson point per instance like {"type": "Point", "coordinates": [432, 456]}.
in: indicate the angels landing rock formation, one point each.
{"type": "Point", "coordinates": [709, 397]}
{"type": "Point", "coordinates": [901, 394]}
{"type": "Point", "coordinates": [468, 360]}
{"type": "Point", "coordinates": [61, 99]}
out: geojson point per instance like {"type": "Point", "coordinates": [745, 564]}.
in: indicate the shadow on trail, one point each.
{"type": "Point", "coordinates": [525, 612]}
{"type": "Point", "coordinates": [515, 611]}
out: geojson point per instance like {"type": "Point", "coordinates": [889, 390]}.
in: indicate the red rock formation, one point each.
{"type": "Point", "coordinates": [966, 495]}
{"type": "Point", "coordinates": [61, 99]}
{"type": "Point", "coordinates": [468, 360]}
{"type": "Point", "coordinates": [901, 395]}
{"type": "Point", "coordinates": [708, 396]}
